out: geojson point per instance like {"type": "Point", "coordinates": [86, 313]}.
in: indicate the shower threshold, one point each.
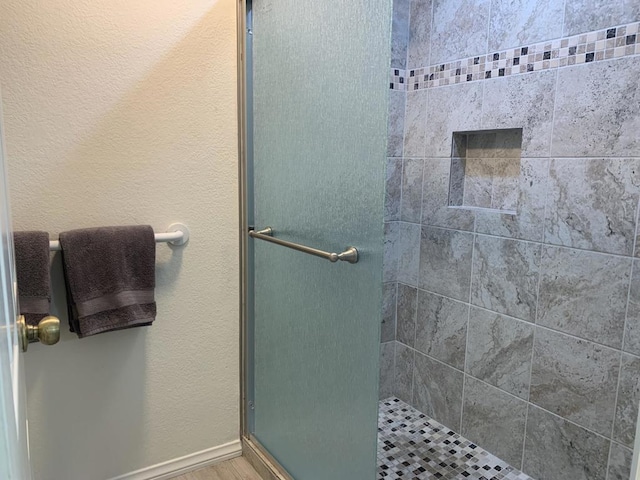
{"type": "Point", "coordinates": [413, 446]}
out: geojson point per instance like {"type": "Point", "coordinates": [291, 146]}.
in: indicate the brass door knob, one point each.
{"type": "Point", "coordinates": [47, 331]}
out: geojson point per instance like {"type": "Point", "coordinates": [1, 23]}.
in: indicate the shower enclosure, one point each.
{"type": "Point", "coordinates": [499, 259]}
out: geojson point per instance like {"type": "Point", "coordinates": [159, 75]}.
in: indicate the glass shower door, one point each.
{"type": "Point", "coordinates": [320, 85]}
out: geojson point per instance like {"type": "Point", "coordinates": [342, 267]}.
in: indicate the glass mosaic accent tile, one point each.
{"type": "Point", "coordinates": [397, 79]}
{"type": "Point", "coordinates": [605, 44]}
{"type": "Point", "coordinates": [413, 446]}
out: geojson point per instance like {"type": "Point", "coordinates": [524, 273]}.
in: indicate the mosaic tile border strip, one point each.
{"type": "Point", "coordinates": [413, 446]}
{"type": "Point", "coordinates": [397, 79]}
{"type": "Point", "coordinates": [615, 42]}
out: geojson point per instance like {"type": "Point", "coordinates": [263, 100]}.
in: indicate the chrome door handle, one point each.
{"type": "Point", "coordinates": [349, 255]}
{"type": "Point", "coordinates": [47, 331]}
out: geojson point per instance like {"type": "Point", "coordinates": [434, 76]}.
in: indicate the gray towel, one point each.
{"type": "Point", "coordinates": [32, 270]}
{"type": "Point", "coordinates": [110, 278]}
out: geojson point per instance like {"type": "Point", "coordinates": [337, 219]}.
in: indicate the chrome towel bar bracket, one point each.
{"type": "Point", "coordinates": [349, 255]}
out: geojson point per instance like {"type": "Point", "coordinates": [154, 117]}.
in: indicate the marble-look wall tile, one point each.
{"type": "Point", "coordinates": [503, 143]}
{"type": "Point", "coordinates": [522, 101]}
{"type": "Point", "coordinates": [459, 29]}
{"type": "Point", "coordinates": [521, 22]}
{"type": "Point", "coordinates": [393, 189]}
{"type": "Point", "coordinates": [505, 276]}
{"type": "Point", "coordinates": [388, 332]}
{"type": "Point", "coordinates": [435, 198]}
{"type": "Point", "coordinates": [412, 190]}
{"type": "Point", "coordinates": [407, 306]}
{"type": "Point", "coordinates": [588, 15]}
{"type": "Point", "coordinates": [592, 203]}
{"type": "Point", "coordinates": [528, 222]}
{"type": "Point", "coordinates": [575, 379]}
{"type": "Point", "coordinates": [441, 330]}
{"type": "Point", "coordinates": [632, 326]}
{"type": "Point", "coordinates": [637, 252]}
{"type": "Point", "coordinates": [404, 366]}
{"type": "Point", "coordinates": [584, 293]}
{"type": "Point", "coordinates": [456, 178]}
{"type": "Point", "coordinates": [445, 262]}
{"type": "Point", "coordinates": [395, 123]}
{"type": "Point", "coordinates": [506, 172]}
{"type": "Point", "coordinates": [408, 253]}
{"type": "Point", "coordinates": [620, 460]}
{"type": "Point", "coordinates": [438, 391]}
{"type": "Point", "coordinates": [387, 371]}
{"type": "Point", "coordinates": [596, 109]}
{"type": "Point", "coordinates": [478, 182]}
{"type": "Point", "coordinates": [419, 33]}
{"type": "Point", "coordinates": [499, 351]}
{"type": "Point", "coordinates": [624, 429]}
{"type": "Point", "coordinates": [390, 258]}
{"type": "Point", "coordinates": [494, 420]}
{"type": "Point", "coordinates": [556, 449]}
{"type": "Point", "coordinates": [400, 33]}
{"type": "Point", "coordinates": [452, 109]}
{"type": "Point", "coordinates": [415, 123]}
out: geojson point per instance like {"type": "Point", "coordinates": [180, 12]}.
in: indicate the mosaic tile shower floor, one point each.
{"type": "Point", "coordinates": [413, 446]}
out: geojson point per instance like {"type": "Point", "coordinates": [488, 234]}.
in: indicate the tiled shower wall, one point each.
{"type": "Point", "coordinates": [522, 332]}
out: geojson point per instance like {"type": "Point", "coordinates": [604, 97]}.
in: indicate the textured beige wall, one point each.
{"type": "Point", "coordinates": [124, 112]}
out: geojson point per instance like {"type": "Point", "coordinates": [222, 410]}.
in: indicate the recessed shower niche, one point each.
{"type": "Point", "coordinates": [485, 170]}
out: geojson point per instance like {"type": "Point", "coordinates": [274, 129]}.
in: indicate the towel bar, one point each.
{"type": "Point", "coordinates": [349, 255]}
{"type": "Point", "coordinates": [177, 234]}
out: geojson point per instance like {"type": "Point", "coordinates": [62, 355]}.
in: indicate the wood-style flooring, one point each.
{"type": "Point", "coordinates": [234, 469]}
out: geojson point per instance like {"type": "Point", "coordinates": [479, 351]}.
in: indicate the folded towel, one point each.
{"type": "Point", "coordinates": [32, 270]}
{"type": "Point", "coordinates": [110, 278]}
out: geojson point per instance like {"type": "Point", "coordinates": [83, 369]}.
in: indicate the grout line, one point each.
{"type": "Point", "coordinates": [415, 320]}
{"type": "Point", "coordinates": [464, 382]}
{"type": "Point", "coordinates": [524, 438]}
{"type": "Point", "coordinates": [413, 375]}
{"type": "Point", "coordinates": [424, 167]}
{"type": "Point", "coordinates": [615, 404]}
{"type": "Point", "coordinates": [547, 183]}
{"type": "Point", "coordinates": [418, 352]}
{"type": "Point", "coordinates": [395, 376]}
{"type": "Point", "coordinates": [511, 394]}
{"type": "Point", "coordinates": [553, 117]}
{"type": "Point", "coordinates": [608, 460]}
{"type": "Point", "coordinates": [489, 27]}
{"type": "Point", "coordinates": [533, 347]}
{"type": "Point", "coordinates": [635, 241]}
{"type": "Point", "coordinates": [526, 322]}
{"type": "Point", "coordinates": [569, 421]}
{"type": "Point", "coordinates": [535, 242]}
{"type": "Point", "coordinates": [466, 344]}
{"type": "Point", "coordinates": [431, 23]}
{"type": "Point", "coordinates": [624, 335]}
{"type": "Point", "coordinates": [535, 318]}
{"type": "Point", "coordinates": [534, 157]}
{"type": "Point", "coordinates": [402, 163]}
{"type": "Point", "coordinates": [564, 17]}
{"type": "Point", "coordinates": [395, 312]}
{"type": "Point", "coordinates": [615, 442]}
{"type": "Point", "coordinates": [406, 52]}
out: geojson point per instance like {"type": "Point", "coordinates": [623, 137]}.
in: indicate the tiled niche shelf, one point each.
{"type": "Point", "coordinates": [485, 170]}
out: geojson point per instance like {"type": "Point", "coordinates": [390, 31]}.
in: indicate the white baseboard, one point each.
{"type": "Point", "coordinates": [188, 463]}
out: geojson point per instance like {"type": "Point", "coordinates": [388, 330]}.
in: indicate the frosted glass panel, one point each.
{"type": "Point", "coordinates": [320, 106]}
